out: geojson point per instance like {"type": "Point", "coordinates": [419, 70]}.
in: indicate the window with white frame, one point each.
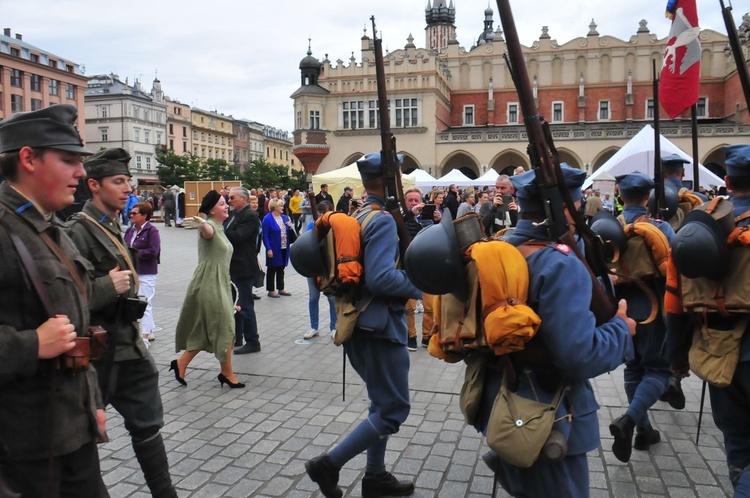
{"type": "Point", "coordinates": [407, 112]}
{"type": "Point", "coordinates": [158, 137]}
{"type": "Point", "coordinates": [468, 115]}
{"type": "Point", "coordinates": [105, 134]}
{"type": "Point", "coordinates": [54, 87]}
{"type": "Point", "coordinates": [314, 120]}
{"type": "Point", "coordinates": [104, 111]}
{"type": "Point", "coordinates": [649, 114]}
{"type": "Point", "coordinates": [70, 91]}
{"type": "Point", "coordinates": [512, 113]}
{"type": "Point", "coordinates": [138, 161]}
{"type": "Point", "coordinates": [137, 135]}
{"type": "Point", "coordinates": [353, 114]}
{"type": "Point", "coordinates": [146, 136]}
{"type": "Point", "coordinates": [373, 114]}
{"type": "Point", "coordinates": [148, 162]}
{"type": "Point", "coordinates": [557, 112]}
{"type": "Point", "coordinates": [604, 110]}
{"type": "Point", "coordinates": [701, 107]}
{"type": "Point", "coordinates": [299, 120]}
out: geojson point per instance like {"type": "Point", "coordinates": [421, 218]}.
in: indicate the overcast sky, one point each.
{"type": "Point", "coordinates": [241, 57]}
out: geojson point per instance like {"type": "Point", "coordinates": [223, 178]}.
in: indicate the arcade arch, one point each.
{"type": "Point", "coordinates": [506, 161]}
{"type": "Point", "coordinates": [410, 163]}
{"type": "Point", "coordinates": [352, 159]}
{"type": "Point", "coordinates": [603, 157]}
{"type": "Point", "coordinates": [460, 160]}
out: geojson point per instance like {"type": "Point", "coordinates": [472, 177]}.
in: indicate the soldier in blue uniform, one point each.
{"type": "Point", "coordinates": [377, 351]}
{"type": "Point", "coordinates": [673, 168]}
{"type": "Point", "coordinates": [730, 405]}
{"type": "Point", "coordinates": [647, 374]}
{"type": "Point", "coordinates": [569, 346]}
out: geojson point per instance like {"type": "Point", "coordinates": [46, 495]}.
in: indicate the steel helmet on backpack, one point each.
{"type": "Point", "coordinates": [433, 261]}
{"type": "Point", "coordinates": [700, 248]}
{"type": "Point", "coordinates": [609, 229]}
{"type": "Point", "coordinates": [305, 255]}
{"type": "Point", "coordinates": [671, 202]}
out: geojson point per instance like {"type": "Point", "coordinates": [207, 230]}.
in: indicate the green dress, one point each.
{"type": "Point", "coordinates": [206, 320]}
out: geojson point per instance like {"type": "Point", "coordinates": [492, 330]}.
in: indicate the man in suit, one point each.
{"type": "Point", "coordinates": [242, 232]}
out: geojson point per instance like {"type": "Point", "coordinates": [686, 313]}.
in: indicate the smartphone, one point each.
{"type": "Point", "coordinates": [507, 199]}
{"type": "Point", "coordinates": [428, 212]}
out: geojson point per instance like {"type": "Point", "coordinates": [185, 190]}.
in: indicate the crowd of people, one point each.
{"type": "Point", "coordinates": [64, 287]}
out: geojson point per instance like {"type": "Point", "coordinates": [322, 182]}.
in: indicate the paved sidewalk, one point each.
{"type": "Point", "coordinates": [254, 441]}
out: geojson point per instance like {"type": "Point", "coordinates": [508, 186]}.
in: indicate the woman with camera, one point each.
{"type": "Point", "coordinates": [142, 238]}
{"type": "Point", "coordinates": [206, 320]}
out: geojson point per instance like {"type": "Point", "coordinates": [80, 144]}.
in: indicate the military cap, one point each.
{"type": "Point", "coordinates": [634, 184]}
{"type": "Point", "coordinates": [674, 159]}
{"type": "Point", "coordinates": [737, 159]}
{"type": "Point", "coordinates": [209, 201]}
{"type": "Point", "coordinates": [371, 166]}
{"type": "Point", "coordinates": [527, 191]}
{"type": "Point", "coordinates": [107, 162]}
{"type": "Point", "coordinates": [53, 127]}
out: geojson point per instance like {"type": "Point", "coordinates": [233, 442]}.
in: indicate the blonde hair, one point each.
{"type": "Point", "coordinates": [414, 189]}
{"type": "Point", "coordinates": [274, 203]}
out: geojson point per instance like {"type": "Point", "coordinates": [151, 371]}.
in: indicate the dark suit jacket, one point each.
{"type": "Point", "coordinates": [242, 232]}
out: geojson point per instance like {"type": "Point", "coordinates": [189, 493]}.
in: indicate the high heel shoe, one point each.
{"type": "Point", "coordinates": [173, 366]}
{"type": "Point", "coordinates": [223, 379]}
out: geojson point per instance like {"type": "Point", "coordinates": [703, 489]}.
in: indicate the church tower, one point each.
{"type": "Point", "coordinates": [441, 25]}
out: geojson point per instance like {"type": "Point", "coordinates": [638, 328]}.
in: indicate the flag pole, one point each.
{"type": "Point", "coordinates": [658, 176]}
{"type": "Point", "coordinates": [694, 132]}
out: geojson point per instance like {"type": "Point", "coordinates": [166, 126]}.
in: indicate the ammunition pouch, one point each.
{"type": "Point", "coordinates": [131, 309]}
{"type": "Point", "coordinates": [86, 349]}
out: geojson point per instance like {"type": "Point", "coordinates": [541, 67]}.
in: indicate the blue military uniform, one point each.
{"type": "Point", "coordinates": [730, 406]}
{"type": "Point", "coordinates": [377, 350]}
{"type": "Point", "coordinates": [675, 160]}
{"type": "Point", "coordinates": [559, 292]}
{"type": "Point", "coordinates": [647, 374]}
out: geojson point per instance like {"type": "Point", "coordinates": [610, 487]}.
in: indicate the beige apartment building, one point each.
{"type": "Point", "coordinates": [32, 78]}
{"type": "Point", "coordinates": [213, 135]}
{"type": "Point", "coordinates": [179, 127]}
{"type": "Point", "coordinates": [453, 107]}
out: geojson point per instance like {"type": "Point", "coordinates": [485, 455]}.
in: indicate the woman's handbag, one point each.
{"type": "Point", "coordinates": [292, 235]}
{"type": "Point", "coordinates": [519, 427]}
{"type": "Point", "coordinates": [260, 277]}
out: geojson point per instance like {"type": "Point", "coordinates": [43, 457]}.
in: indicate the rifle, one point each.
{"type": "Point", "coordinates": [394, 191]}
{"type": "Point", "coordinates": [549, 178]}
{"type": "Point", "coordinates": [660, 203]}
{"type": "Point", "coordinates": [739, 58]}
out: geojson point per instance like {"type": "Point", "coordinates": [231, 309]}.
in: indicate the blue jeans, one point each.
{"type": "Point", "coordinates": [314, 297]}
{"type": "Point", "coordinates": [245, 324]}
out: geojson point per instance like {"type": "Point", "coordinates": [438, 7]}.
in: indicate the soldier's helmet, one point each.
{"type": "Point", "coordinates": [609, 229]}
{"type": "Point", "coordinates": [699, 248]}
{"type": "Point", "coordinates": [671, 203]}
{"type": "Point", "coordinates": [433, 261]}
{"type": "Point", "coordinates": [305, 255]}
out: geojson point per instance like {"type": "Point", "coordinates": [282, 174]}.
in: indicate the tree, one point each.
{"type": "Point", "coordinates": [218, 169]}
{"type": "Point", "coordinates": [261, 173]}
{"type": "Point", "coordinates": [175, 169]}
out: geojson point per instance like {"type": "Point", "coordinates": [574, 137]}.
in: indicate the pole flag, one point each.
{"type": "Point", "coordinates": [680, 71]}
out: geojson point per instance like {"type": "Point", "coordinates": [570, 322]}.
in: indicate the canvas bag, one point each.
{"type": "Point", "coordinates": [519, 427]}
{"type": "Point", "coordinates": [715, 354]}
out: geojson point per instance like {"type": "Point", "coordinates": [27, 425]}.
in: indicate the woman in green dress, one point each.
{"type": "Point", "coordinates": [206, 320]}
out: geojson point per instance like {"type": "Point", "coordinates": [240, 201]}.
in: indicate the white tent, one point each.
{"type": "Point", "coordinates": [348, 176]}
{"type": "Point", "coordinates": [486, 179]}
{"type": "Point", "coordinates": [422, 179]}
{"type": "Point", "coordinates": [638, 155]}
{"type": "Point", "coordinates": [454, 177]}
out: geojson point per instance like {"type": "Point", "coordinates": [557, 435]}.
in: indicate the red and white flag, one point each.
{"type": "Point", "coordinates": [679, 84]}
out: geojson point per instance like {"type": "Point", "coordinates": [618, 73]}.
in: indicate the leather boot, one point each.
{"type": "Point", "coordinates": [152, 458]}
{"type": "Point", "coordinates": [622, 430]}
{"type": "Point", "coordinates": [323, 472]}
{"type": "Point", "coordinates": [385, 484]}
{"type": "Point", "coordinates": [644, 438]}
{"type": "Point", "coordinates": [675, 396]}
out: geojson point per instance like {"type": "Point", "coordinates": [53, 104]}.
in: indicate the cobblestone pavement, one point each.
{"type": "Point", "coordinates": [254, 441]}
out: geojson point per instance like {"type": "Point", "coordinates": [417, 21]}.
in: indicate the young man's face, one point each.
{"type": "Point", "coordinates": [112, 191]}
{"type": "Point", "coordinates": [54, 177]}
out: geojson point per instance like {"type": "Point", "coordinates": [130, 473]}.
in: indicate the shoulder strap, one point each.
{"type": "Point", "coordinates": [531, 246]}
{"type": "Point", "coordinates": [32, 270]}
{"type": "Point", "coordinates": [117, 243]}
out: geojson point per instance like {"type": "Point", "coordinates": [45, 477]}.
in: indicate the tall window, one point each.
{"type": "Point", "coordinates": [105, 134]}
{"type": "Point", "coordinates": [36, 104]}
{"type": "Point", "coordinates": [158, 138]}
{"type": "Point", "coordinates": [299, 120]}
{"type": "Point", "coordinates": [374, 116]}
{"type": "Point", "coordinates": [36, 83]}
{"type": "Point", "coordinates": [184, 131]}
{"type": "Point", "coordinates": [54, 87]}
{"type": "Point", "coordinates": [103, 111]}
{"type": "Point", "coordinates": [16, 103]}
{"type": "Point", "coordinates": [16, 77]}
{"type": "Point", "coordinates": [701, 108]}
{"type": "Point", "coordinates": [649, 108]}
{"type": "Point", "coordinates": [70, 91]}
{"type": "Point", "coordinates": [146, 136]}
{"type": "Point", "coordinates": [171, 129]}
{"type": "Point", "coordinates": [557, 112]}
{"type": "Point", "coordinates": [314, 120]}
{"type": "Point", "coordinates": [137, 135]}
{"type": "Point", "coordinates": [406, 112]}
{"type": "Point", "coordinates": [468, 115]}
{"type": "Point", "coordinates": [354, 114]}
{"type": "Point", "coordinates": [148, 162]}
{"type": "Point", "coordinates": [184, 146]}
{"type": "Point", "coordinates": [512, 113]}
{"type": "Point", "coordinates": [604, 110]}
{"type": "Point", "coordinates": [138, 161]}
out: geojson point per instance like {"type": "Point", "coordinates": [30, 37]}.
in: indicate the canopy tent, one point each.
{"type": "Point", "coordinates": [638, 155]}
{"type": "Point", "coordinates": [454, 177]}
{"type": "Point", "coordinates": [486, 179]}
{"type": "Point", "coordinates": [348, 176]}
{"type": "Point", "coordinates": [422, 178]}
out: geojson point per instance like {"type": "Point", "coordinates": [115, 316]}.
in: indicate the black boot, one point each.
{"type": "Point", "coordinates": [675, 396]}
{"type": "Point", "coordinates": [385, 484]}
{"type": "Point", "coordinates": [622, 430]}
{"type": "Point", "coordinates": [152, 458]}
{"type": "Point", "coordinates": [323, 472]}
{"type": "Point", "coordinates": [644, 438]}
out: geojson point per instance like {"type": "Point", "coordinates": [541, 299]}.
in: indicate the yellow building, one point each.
{"type": "Point", "coordinates": [213, 137]}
